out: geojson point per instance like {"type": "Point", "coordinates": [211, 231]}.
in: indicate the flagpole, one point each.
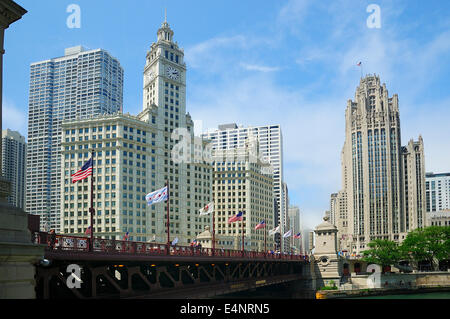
{"type": "Point", "coordinates": [265, 240]}
{"type": "Point", "coordinates": [300, 244]}
{"type": "Point", "coordinates": [92, 210]}
{"type": "Point", "coordinates": [168, 221]}
{"type": "Point", "coordinates": [242, 223]}
{"type": "Point", "coordinates": [291, 242]}
{"type": "Point", "coordinates": [213, 232]}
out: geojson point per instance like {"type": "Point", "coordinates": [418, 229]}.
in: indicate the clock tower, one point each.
{"type": "Point", "coordinates": [164, 108]}
{"type": "Point", "coordinates": [165, 74]}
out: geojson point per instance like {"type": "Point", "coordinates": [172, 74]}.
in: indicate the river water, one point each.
{"type": "Point", "coordinates": [428, 295]}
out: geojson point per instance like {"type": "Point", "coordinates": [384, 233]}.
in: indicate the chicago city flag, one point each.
{"type": "Point", "coordinates": [261, 225]}
{"type": "Point", "coordinates": [235, 218]}
{"type": "Point", "coordinates": [207, 209]}
{"type": "Point", "coordinates": [84, 172]}
{"type": "Point", "coordinates": [157, 196]}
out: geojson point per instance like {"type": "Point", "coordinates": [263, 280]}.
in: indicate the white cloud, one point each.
{"type": "Point", "coordinates": [197, 54]}
{"type": "Point", "coordinates": [14, 118]}
{"type": "Point", "coordinates": [312, 116]}
{"type": "Point", "coordinates": [259, 68]}
{"type": "Point", "coordinates": [431, 121]}
{"type": "Point", "coordinates": [313, 131]}
{"type": "Point", "coordinates": [292, 14]}
{"type": "Point", "coordinates": [214, 54]}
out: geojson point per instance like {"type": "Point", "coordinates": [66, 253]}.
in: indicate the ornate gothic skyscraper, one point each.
{"type": "Point", "coordinates": [383, 192]}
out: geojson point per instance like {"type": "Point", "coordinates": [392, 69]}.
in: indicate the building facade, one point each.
{"type": "Point", "coordinates": [78, 85]}
{"type": "Point", "coordinates": [333, 208]}
{"type": "Point", "coordinates": [383, 193]}
{"type": "Point", "coordinates": [414, 195]}
{"type": "Point", "coordinates": [14, 150]}
{"type": "Point", "coordinates": [440, 218]}
{"type": "Point", "coordinates": [146, 149]}
{"type": "Point", "coordinates": [270, 139]}
{"type": "Point", "coordinates": [285, 220]}
{"type": "Point", "coordinates": [296, 226]}
{"type": "Point", "coordinates": [437, 188]}
{"type": "Point", "coordinates": [242, 184]}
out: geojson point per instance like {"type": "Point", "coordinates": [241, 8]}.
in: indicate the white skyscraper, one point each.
{"type": "Point", "coordinates": [437, 188]}
{"type": "Point", "coordinates": [13, 165]}
{"type": "Point", "coordinates": [269, 137]}
{"type": "Point", "coordinates": [78, 85]}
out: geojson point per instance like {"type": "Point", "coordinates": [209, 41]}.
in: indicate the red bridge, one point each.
{"type": "Point", "coordinates": [126, 269]}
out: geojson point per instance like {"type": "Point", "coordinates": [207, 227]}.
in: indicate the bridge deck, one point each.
{"type": "Point", "coordinates": [125, 269]}
{"type": "Point", "coordinates": [63, 247]}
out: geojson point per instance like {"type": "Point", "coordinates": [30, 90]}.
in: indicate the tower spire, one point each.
{"type": "Point", "coordinates": [165, 15]}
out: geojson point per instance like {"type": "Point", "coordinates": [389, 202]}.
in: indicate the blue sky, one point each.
{"type": "Point", "coordinates": [260, 62]}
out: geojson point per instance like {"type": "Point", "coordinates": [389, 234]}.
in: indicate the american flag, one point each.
{"type": "Point", "coordinates": [88, 231]}
{"type": "Point", "coordinates": [358, 64]}
{"type": "Point", "coordinates": [84, 172]}
{"type": "Point", "coordinates": [261, 225]}
{"type": "Point", "coordinates": [126, 236]}
{"type": "Point", "coordinates": [235, 218]}
{"type": "Point", "coordinates": [297, 236]}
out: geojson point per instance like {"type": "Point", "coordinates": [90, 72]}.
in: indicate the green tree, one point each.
{"type": "Point", "coordinates": [431, 244]}
{"type": "Point", "coordinates": [383, 252]}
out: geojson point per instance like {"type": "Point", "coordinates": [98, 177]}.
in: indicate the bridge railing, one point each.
{"type": "Point", "coordinates": [58, 242]}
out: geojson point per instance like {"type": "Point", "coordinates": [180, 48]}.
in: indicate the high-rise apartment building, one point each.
{"type": "Point", "coordinates": [80, 84]}
{"type": "Point", "coordinates": [13, 159]}
{"type": "Point", "coordinates": [383, 183]}
{"type": "Point", "coordinates": [437, 188]}
{"type": "Point", "coordinates": [139, 154]}
{"type": "Point", "coordinates": [269, 137]}
{"type": "Point", "coordinates": [242, 184]}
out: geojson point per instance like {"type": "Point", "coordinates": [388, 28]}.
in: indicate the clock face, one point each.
{"type": "Point", "coordinates": [172, 73]}
{"type": "Point", "coordinates": [149, 77]}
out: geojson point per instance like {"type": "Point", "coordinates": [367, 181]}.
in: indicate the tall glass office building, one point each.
{"type": "Point", "coordinates": [14, 151]}
{"type": "Point", "coordinates": [80, 84]}
{"type": "Point", "coordinates": [437, 191]}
